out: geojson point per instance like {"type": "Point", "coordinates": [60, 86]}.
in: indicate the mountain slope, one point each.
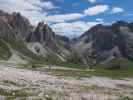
{"type": "Point", "coordinates": [53, 44]}
{"type": "Point", "coordinates": [12, 24]}
{"type": "Point", "coordinates": [34, 43]}
{"type": "Point", "coordinates": [14, 29]}
{"type": "Point", "coordinates": [100, 44]}
{"type": "Point", "coordinates": [105, 43]}
{"type": "Point", "coordinates": [4, 51]}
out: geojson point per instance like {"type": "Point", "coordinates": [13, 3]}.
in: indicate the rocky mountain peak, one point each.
{"type": "Point", "coordinates": [42, 33]}
{"type": "Point", "coordinates": [20, 24]}
{"type": "Point", "coordinates": [120, 23]}
{"type": "Point", "coordinates": [13, 24]}
{"type": "Point", "coordinates": [98, 27]}
{"type": "Point", "coordinates": [104, 38]}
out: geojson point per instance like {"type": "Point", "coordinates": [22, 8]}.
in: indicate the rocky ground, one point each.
{"type": "Point", "coordinates": [24, 84]}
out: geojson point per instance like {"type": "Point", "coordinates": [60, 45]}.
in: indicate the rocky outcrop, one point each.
{"type": "Point", "coordinates": [5, 29]}
{"type": "Point", "coordinates": [51, 42]}
{"type": "Point", "coordinates": [13, 24]}
{"type": "Point", "coordinates": [107, 42]}
{"type": "Point", "coordinates": [20, 24]}
{"type": "Point", "coordinates": [16, 27]}
{"type": "Point", "coordinates": [44, 35]}
{"type": "Point", "coordinates": [101, 43]}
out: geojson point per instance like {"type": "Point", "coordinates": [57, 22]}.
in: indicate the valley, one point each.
{"type": "Point", "coordinates": [38, 64]}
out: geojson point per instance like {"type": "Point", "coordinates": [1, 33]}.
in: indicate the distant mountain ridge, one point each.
{"type": "Point", "coordinates": [14, 23]}
{"type": "Point", "coordinates": [107, 42]}
{"type": "Point", "coordinates": [100, 44]}
{"type": "Point", "coordinates": [40, 40]}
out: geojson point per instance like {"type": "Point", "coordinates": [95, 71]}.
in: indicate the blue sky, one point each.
{"type": "Point", "coordinates": [78, 6]}
{"type": "Point", "coordinates": [71, 17]}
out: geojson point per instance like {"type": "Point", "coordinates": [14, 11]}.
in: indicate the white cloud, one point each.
{"type": "Point", "coordinates": [31, 9]}
{"type": "Point", "coordinates": [92, 1]}
{"type": "Point", "coordinates": [64, 17]}
{"type": "Point", "coordinates": [129, 14]}
{"type": "Point", "coordinates": [117, 10]}
{"type": "Point", "coordinates": [75, 28]}
{"type": "Point", "coordinates": [96, 10]}
{"type": "Point", "coordinates": [34, 16]}
{"type": "Point", "coordinates": [100, 20]}
{"type": "Point", "coordinates": [28, 8]}
{"type": "Point", "coordinates": [48, 5]}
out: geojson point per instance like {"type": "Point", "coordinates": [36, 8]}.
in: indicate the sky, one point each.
{"type": "Point", "coordinates": [71, 17]}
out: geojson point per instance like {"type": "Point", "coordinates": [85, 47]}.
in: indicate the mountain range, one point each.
{"type": "Point", "coordinates": [23, 43]}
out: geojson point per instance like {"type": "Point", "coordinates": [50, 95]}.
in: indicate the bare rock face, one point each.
{"type": "Point", "coordinates": [5, 29]}
{"type": "Point", "coordinates": [57, 45]}
{"type": "Point", "coordinates": [102, 43]}
{"type": "Point", "coordinates": [15, 25]}
{"type": "Point", "coordinates": [106, 41]}
{"type": "Point", "coordinates": [44, 35]}
{"type": "Point", "coordinates": [20, 24]}
{"type": "Point", "coordinates": [12, 24]}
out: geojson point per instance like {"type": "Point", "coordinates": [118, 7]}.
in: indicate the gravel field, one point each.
{"type": "Point", "coordinates": [24, 84]}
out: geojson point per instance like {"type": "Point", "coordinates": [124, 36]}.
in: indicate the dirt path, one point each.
{"type": "Point", "coordinates": [64, 68]}
{"type": "Point", "coordinates": [33, 85]}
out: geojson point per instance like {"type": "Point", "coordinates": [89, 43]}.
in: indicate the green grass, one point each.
{"type": "Point", "coordinates": [72, 65]}
{"type": "Point", "coordinates": [20, 46]}
{"type": "Point", "coordinates": [13, 93]}
{"type": "Point", "coordinates": [48, 98]}
{"type": "Point", "coordinates": [99, 70]}
{"type": "Point", "coordinates": [122, 97]}
{"type": "Point", "coordinates": [4, 50]}
{"type": "Point", "coordinates": [96, 72]}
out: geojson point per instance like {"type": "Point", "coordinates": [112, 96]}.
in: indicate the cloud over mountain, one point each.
{"type": "Point", "coordinates": [56, 12]}
{"type": "Point", "coordinates": [77, 27]}
{"type": "Point", "coordinates": [64, 17]}
{"type": "Point", "coordinates": [92, 1]}
{"type": "Point", "coordinates": [96, 10]}
{"type": "Point", "coordinates": [117, 10]}
{"type": "Point", "coordinates": [28, 8]}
